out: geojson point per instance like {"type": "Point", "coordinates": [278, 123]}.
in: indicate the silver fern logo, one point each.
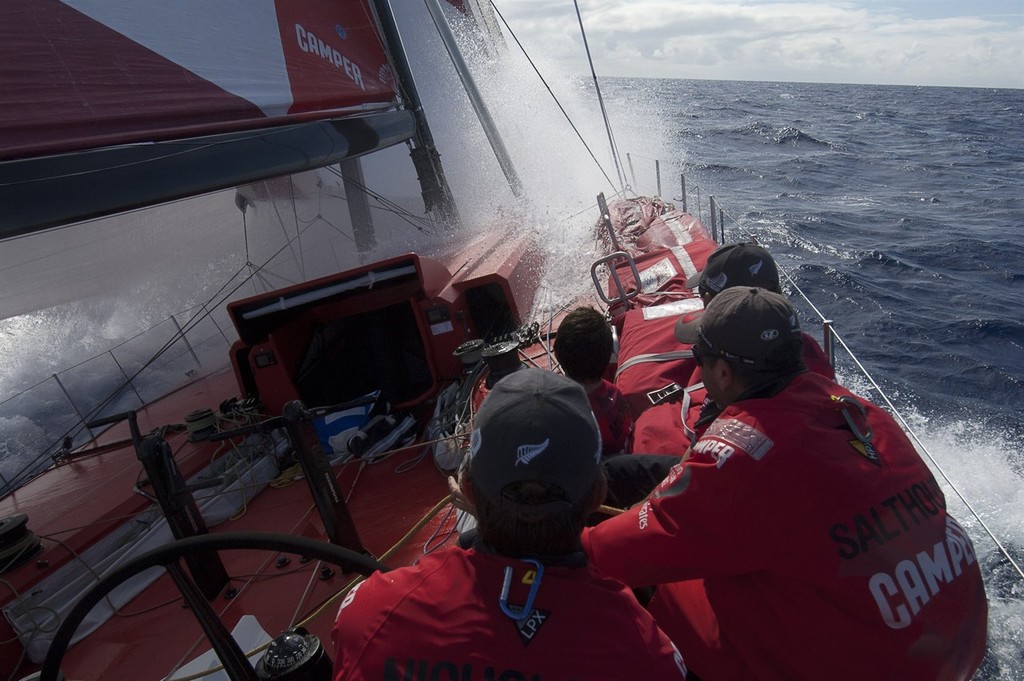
{"type": "Point", "coordinates": [717, 283]}
{"type": "Point", "coordinates": [756, 267]}
{"type": "Point", "coordinates": [527, 453]}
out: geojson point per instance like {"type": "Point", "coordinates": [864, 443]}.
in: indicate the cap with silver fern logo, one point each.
{"type": "Point", "coordinates": [535, 425]}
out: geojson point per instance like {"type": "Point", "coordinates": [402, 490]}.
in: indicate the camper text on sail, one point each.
{"type": "Point", "coordinates": [309, 43]}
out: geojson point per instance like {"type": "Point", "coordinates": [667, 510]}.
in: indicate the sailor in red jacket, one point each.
{"type": "Point", "coordinates": [672, 427]}
{"type": "Point", "coordinates": [583, 347]}
{"type": "Point", "coordinates": [519, 600]}
{"type": "Point", "coordinates": [740, 264]}
{"type": "Point", "coordinates": [744, 264]}
{"type": "Point", "coordinates": [813, 539]}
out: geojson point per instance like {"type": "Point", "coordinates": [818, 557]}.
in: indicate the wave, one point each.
{"type": "Point", "coordinates": [781, 135]}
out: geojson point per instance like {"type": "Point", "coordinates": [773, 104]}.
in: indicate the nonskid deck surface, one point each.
{"type": "Point", "coordinates": [153, 633]}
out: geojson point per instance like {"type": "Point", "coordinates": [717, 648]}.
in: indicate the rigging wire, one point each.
{"type": "Point", "coordinates": [289, 241]}
{"type": "Point", "coordinates": [258, 272]}
{"type": "Point", "coordinates": [337, 230]}
{"type": "Point", "coordinates": [295, 218]}
{"type": "Point", "coordinates": [600, 99]}
{"type": "Point", "coordinates": [402, 213]}
{"type": "Point", "coordinates": [553, 97]}
{"type": "Point", "coordinates": [255, 272]}
{"type": "Point", "coordinates": [214, 302]}
{"type": "Point", "coordinates": [387, 204]}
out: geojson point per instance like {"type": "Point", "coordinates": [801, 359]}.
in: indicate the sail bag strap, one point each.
{"type": "Point", "coordinates": [653, 357]}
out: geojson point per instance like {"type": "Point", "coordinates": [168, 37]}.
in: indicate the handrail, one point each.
{"type": "Point", "coordinates": [184, 343]}
{"type": "Point", "coordinates": [47, 454]}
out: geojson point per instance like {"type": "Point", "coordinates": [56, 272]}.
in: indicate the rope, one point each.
{"type": "Point", "coordinates": [37, 628]}
{"type": "Point", "coordinates": [13, 554]}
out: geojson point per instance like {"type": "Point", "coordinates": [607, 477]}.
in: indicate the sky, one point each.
{"type": "Point", "coordinates": [896, 42]}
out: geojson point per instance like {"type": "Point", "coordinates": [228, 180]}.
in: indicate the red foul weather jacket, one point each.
{"type": "Point", "coordinates": [613, 417]}
{"type": "Point", "coordinates": [442, 619]}
{"type": "Point", "coordinates": [809, 553]}
{"type": "Point", "coordinates": [671, 427]}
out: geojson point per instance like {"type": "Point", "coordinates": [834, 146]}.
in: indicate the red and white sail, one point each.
{"type": "Point", "coordinates": [83, 74]}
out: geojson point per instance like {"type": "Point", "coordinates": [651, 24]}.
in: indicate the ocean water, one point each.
{"type": "Point", "coordinates": [898, 211]}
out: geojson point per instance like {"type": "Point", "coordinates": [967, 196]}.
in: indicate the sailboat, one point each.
{"type": "Point", "coordinates": [213, 530]}
{"type": "Point", "coordinates": [320, 434]}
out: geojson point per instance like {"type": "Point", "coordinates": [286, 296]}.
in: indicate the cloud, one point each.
{"type": "Point", "coordinates": [782, 41]}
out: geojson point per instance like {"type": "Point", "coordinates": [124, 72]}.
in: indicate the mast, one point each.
{"type": "Point", "coordinates": [358, 205]}
{"type": "Point", "coordinates": [437, 194]}
{"type": "Point", "coordinates": [490, 129]}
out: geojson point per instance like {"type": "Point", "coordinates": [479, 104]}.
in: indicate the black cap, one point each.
{"type": "Point", "coordinates": [742, 323]}
{"type": "Point", "coordinates": [742, 264]}
{"type": "Point", "coordinates": [535, 425]}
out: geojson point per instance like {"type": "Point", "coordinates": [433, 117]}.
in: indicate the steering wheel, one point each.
{"type": "Point", "coordinates": [231, 656]}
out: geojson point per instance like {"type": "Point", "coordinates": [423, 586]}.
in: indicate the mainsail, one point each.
{"type": "Point", "coordinates": [111, 106]}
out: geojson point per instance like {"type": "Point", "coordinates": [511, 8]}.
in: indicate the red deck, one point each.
{"type": "Point", "coordinates": [384, 504]}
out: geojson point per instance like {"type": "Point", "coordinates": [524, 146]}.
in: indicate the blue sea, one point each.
{"type": "Point", "coordinates": [898, 211]}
